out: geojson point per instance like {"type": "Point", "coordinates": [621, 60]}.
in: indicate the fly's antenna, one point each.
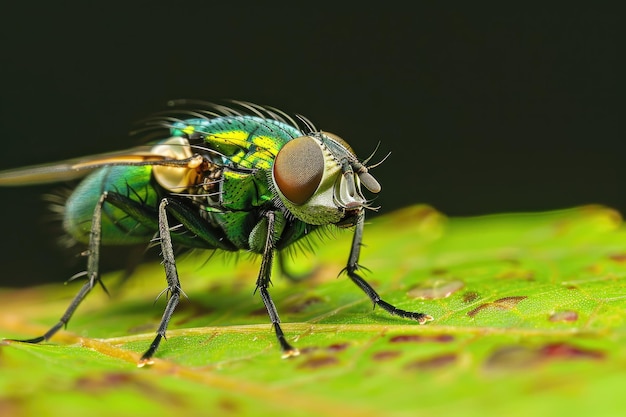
{"type": "Point", "coordinates": [379, 162]}
{"type": "Point", "coordinates": [366, 160]}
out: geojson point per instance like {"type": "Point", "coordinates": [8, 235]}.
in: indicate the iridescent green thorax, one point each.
{"type": "Point", "coordinates": [247, 141]}
{"type": "Point", "coordinates": [246, 148]}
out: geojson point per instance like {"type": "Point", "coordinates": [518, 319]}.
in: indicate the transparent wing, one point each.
{"type": "Point", "coordinates": [77, 168]}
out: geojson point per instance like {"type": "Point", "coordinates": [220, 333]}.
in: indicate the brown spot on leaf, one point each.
{"type": "Point", "coordinates": [436, 288]}
{"type": "Point", "coordinates": [564, 315]}
{"type": "Point", "coordinates": [470, 296]}
{"type": "Point", "coordinates": [567, 351]}
{"type": "Point", "coordinates": [229, 405]}
{"type": "Point", "coordinates": [618, 257]}
{"type": "Point", "coordinates": [510, 302]}
{"type": "Point", "coordinates": [301, 305]}
{"type": "Point", "coordinates": [434, 362]}
{"type": "Point", "coordinates": [506, 303]}
{"type": "Point", "coordinates": [307, 350]}
{"type": "Point", "coordinates": [98, 384]}
{"type": "Point", "coordinates": [319, 362]}
{"type": "Point", "coordinates": [337, 347]}
{"type": "Point", "coordinates": [93, 383]}
{"type": "Point", "coordinates": [421, 338]}
{"type": "Point", "coordinates": [521, 357]}
{"type": "Point", "coordinates": [188, 311]}
{"type": "Point", "coordinates": [385, 355]}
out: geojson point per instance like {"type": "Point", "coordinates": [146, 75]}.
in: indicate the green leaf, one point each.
{"type": "Point", "coordinates": [529, 319]}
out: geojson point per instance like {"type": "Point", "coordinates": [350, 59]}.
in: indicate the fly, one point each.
{"type": "Point", "coordinates": [234, 178]}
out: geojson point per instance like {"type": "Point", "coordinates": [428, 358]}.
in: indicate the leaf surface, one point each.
{"type": "Point", "coordinates": [530, 318]}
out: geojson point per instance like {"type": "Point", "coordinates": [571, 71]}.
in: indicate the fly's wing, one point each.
{"type": "Point", "coordinates": [72, 169]}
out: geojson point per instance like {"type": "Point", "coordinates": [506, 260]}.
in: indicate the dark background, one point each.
{"type": "Point", "coordinates": [485, 110]}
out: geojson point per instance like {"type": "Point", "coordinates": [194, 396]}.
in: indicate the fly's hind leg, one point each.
{"type": "Point", "coordinates": [92, 273]}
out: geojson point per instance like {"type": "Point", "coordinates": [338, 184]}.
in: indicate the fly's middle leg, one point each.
{"type": "Point", "coordinates": [198, 232]}
{"type": "Point", "coordinates": [173, 284]}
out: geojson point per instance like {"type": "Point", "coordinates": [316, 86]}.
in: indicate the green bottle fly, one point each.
{"type": "Point", "coordinates": [243, 177]}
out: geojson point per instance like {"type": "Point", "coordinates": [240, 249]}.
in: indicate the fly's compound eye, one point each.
{"type": "Point", "coordinates": [298, 169]}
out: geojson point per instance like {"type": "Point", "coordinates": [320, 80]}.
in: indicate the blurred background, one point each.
{"type": "Point", "coordinates": [484, 110]}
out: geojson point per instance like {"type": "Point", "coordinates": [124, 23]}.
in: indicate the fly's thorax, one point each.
{"type": "Point", "coordinates": [318, 179]}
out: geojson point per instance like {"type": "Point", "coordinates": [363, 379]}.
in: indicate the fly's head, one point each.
{"type": "Point", "coordinates": [318, 178]}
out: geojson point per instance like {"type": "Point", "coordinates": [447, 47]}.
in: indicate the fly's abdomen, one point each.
{"type": "Point", "coordinates": [119, 227]}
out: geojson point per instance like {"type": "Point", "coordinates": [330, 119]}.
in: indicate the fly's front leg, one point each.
{"type": "Point", "coordinates": [92, 273]}
{"type": "Point", "coordinates": [263, 282]}
{"type": "Point", "coordinates": [353, 266]}
{"type": "Point", "coordinates": [173, 284]}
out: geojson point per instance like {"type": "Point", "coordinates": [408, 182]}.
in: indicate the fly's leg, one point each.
{"type": "Point", "coordinates": [199, 232]}
{"type": "Point", "coordinates": [263, 282]}
{"type": "Point", "coordinates": [353, 266]}
{"type": "Point", "coordinates": [92, 273]}
{"type": "Point", "coordinates": [173, 284]}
